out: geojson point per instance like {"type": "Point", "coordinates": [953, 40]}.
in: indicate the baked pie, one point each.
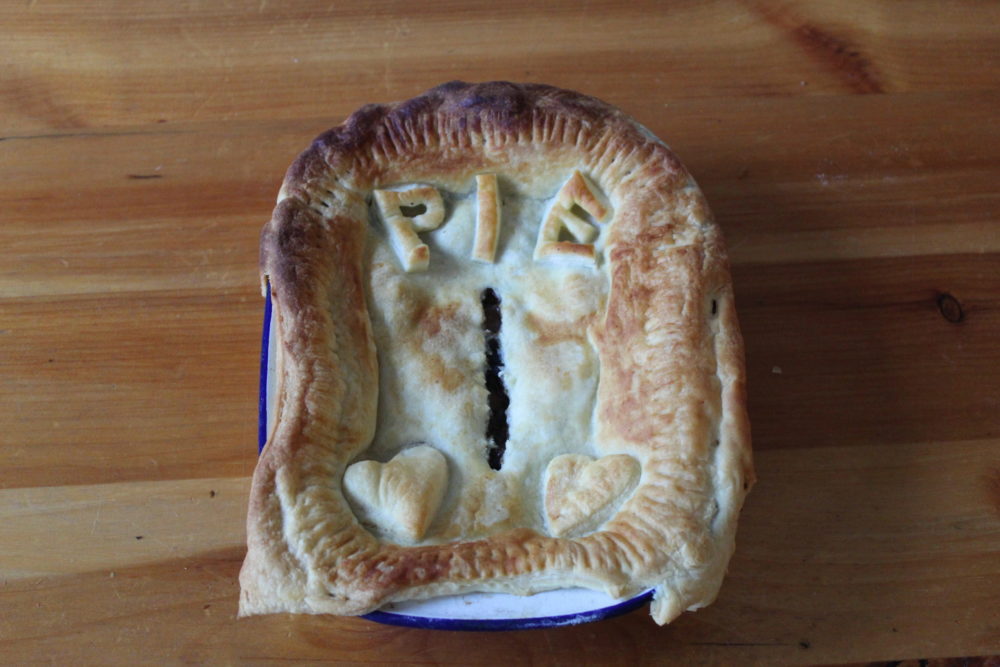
{"type": "Point", "coordinates": [508, 361]}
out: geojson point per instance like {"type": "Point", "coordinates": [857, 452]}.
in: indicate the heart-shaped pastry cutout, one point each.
{"type": "Point", "coordinates": [402, 496]}
{"type": "Point", "coordinates": [579, 489]}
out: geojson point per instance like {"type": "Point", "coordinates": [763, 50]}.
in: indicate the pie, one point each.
{"type": "Point", "coordinates": [508, 361]}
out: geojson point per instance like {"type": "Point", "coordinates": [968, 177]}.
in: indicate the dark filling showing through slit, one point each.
{"type": "Point", "coordinates": [496, 427]}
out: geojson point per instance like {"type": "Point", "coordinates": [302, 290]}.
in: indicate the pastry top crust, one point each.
{"type": "Point", "coordinates": [373, 486]}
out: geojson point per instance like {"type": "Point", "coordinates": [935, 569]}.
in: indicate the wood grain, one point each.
{"type": "Point", "coordinates": [903, 529]}
{"type": "Point", "coordinates": [867, 352]}
{"type": "Point", "coordinates": [850, 150]}
{"type": "Point", "coordinates": [263, 60]}
{"type": "Point", "coordinates": [118, 525]}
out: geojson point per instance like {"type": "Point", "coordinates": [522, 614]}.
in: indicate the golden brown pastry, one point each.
{"type": "Point", "coordinates": [618, 451]}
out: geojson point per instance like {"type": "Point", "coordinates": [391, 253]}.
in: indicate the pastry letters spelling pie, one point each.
{"type": "Point", "coordinates": [508, 361]}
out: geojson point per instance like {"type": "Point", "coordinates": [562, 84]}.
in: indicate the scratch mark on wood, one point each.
{"type": "Point", "coordinates": [739, 644]}
{"type": "Point", "coordinates": [77, 135]}
{"type": "Point", "coordinates": [97, 517]}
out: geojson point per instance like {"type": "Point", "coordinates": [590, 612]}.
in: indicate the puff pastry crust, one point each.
{"type": "Point", "coordinates": [628, 455]}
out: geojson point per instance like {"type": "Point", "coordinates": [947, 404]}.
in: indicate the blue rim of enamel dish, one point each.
{"type": "Point", "coordinates": [431, 622]}
{"type": "Point", "coordinates": [530, 623]}
{"type": "Point", "coordinates": [264, 347]}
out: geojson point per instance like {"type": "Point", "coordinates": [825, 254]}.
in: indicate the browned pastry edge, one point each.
{"type": "Point", "coordinates": [671, 393]}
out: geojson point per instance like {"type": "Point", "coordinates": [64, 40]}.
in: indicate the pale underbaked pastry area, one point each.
{"type": "Point", "coordinates": [625, 444]}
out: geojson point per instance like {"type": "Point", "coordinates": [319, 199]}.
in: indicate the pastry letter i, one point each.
{"type": "Point", "coordinates": [484, 247]}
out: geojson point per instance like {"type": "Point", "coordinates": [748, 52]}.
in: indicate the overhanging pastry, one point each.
{"type": "Point", "coordinates": [508, 360]}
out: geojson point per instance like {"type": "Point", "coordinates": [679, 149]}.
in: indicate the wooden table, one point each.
{"type": "Point", "coordinates": [851, 152]}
